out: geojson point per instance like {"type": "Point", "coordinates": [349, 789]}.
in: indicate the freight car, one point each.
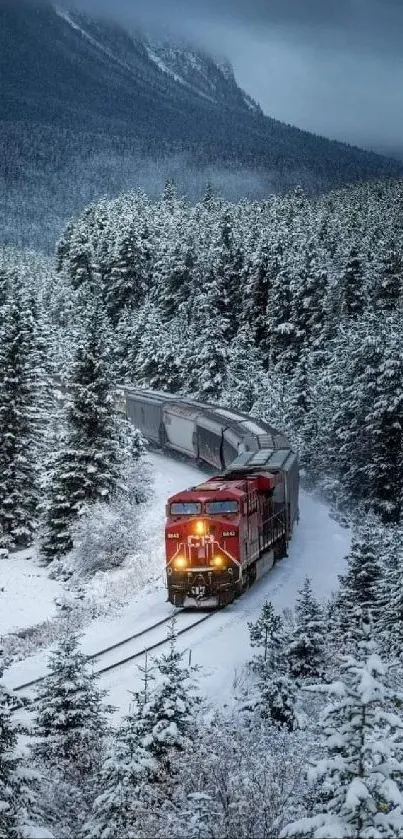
{"type": "Point", "coordinates": [224, 533]}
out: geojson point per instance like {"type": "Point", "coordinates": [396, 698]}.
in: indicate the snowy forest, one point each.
{"type": "Point", "coordinates": [290, 309]}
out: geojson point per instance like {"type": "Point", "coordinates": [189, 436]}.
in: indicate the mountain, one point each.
{"type": "Point", "coordinates": [88, 107]}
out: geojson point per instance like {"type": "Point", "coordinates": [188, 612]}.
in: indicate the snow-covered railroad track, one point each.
{"type": "Point", "coordinates": [185, 622]}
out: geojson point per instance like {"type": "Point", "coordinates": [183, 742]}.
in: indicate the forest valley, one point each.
{"type": "Point", "coordinates": [290, 309]}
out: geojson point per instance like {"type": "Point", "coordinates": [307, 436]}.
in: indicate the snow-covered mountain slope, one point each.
{"type": "Point", "coordinates": [66, 71]}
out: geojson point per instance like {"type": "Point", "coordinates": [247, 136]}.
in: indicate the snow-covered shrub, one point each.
{"type": "Point", "coordinates": [237, 781]}
{"type": "Point", "coordinates": [106, 534]}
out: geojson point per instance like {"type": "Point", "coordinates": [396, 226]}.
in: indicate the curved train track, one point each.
{"type": "Point", "coordinates": [102, 654]}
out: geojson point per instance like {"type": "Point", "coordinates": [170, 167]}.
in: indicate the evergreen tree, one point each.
{"type": "Point", "coordinates": [173, 704]}
{"type": "Point", "coordinates": [358, 599]}
{"type": "Point", "coordinates": [352, 291]}
{"type": "Point", "coordinates": [267, 634]}
{"type": "Point", "coordinates": [356, 784]}
{"type": "Point", "coordinates": [276, 692]}
{"type": "Point", "coordinates": [306, 653]}
{"type": "Point", "coordinates": [18, 426]}
{"type": "Point", "coordinates": [244, 373]}
{"type": "Point", "coordinates": [127, 780]}
{"type": "Point", "coordinates": [391, 593]}
{"type": "Point", "coordinates": [70, 718]}
{"type": "Point", "coordinates": [18, 806]}
{"type": "Point", "coordinates": [388, 284]}
{"type": "Point", "coordinates": [87, 467]}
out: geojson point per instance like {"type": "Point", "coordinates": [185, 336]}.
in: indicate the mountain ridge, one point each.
{"type": "Point", "coordinates": [85, 102]}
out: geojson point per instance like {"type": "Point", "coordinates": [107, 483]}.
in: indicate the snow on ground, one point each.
{"type": "Point", "coordinates": [220, 645]}
{"type": "Point", "coordinates": [27, 594]}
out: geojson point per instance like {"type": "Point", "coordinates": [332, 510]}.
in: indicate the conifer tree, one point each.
{"type": "Point", "coordinates": [352, 291]}
{"type": "Point", "coordinates": [18, 805]}
{"type": "Point", "coordinates": [87, 467]}
{"type": "Point", "coordinates": [276, 692]}
{"type": "Point", "coordinates": [391, 593]}
{"type": "Point", "coordinates": [357, 789]}
{"type": "Point", "coordinates": [70, 722]}
{"type": "Point", "coordinates": [18, 426]}
{"type": "Point", "coordinates": [306, 652]}
{"type": "Point", "coordinates": [173, 704]}
{"type": "Point", "coordinates": [358, 601]}
{"type": "Point", "coordinates": [127, 780]}
{"type": "Point", "coordinates": [388, 285]}
{"type": "Point", "coordinates": [267, 634]}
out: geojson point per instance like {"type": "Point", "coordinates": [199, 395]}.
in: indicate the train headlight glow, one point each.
{"type": "Point", "coordinates": [199, 528]}
{"type": "Point", "coordinates": [180, 562]}
{"type": "Point", "coordinates": [218, 561]}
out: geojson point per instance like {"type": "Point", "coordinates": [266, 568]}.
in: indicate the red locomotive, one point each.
{"type": "Point", "coordinates": [226, 532]}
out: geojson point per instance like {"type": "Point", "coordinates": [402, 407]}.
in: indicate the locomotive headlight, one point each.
{"type": "Point", "coordinates": [180, 562]}
{"type": "Point", "coordinates": [199, 527]}
{"type": "Point", "coordinates": [218, 561]}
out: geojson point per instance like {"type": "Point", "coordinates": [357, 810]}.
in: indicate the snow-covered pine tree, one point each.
{"type": "Point", "coordinates": [267, 634]}
{"type": "Point", "coordinates": [275, 689]}
{"type": "Point", "coordinates": [306, 652]}
{"type": "Point", "coordinates": [388, 283]}
{"type": "Point", "coordinates": [353, 297]}
{"type": "Point", "coordinates": [69, 736]}
{"type": "Point", "coordinates": [87, 468]}
{"type": "Point", "coordinates": [244, 373]}
{"type": "Point", "coordinates": [127, 780]}
{"type": "Point", "coordinates": [391, 593]}
{"type": "Point", "coordinates": [70, 723]}
{"type": "Point", "coordinates": [18, 806]}
{"type": "Point", "coordinates": [18, 426]}
{"type": "Point", "coordinates": [173, 705]}
{"type": "Point", "coordinates": [358, 600]}
{"type": "Point", "coordinates": [356, 784]}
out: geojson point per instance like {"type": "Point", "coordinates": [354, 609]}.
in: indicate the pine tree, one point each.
{"type": "Point", "coordinates": [276, 692]}
{"type": "Point", "coordinates": [306, 653]}
{"type": "Point", "coordinates": [357, 789]}
{"type": "Point", "coordinates": [391, 593]}
{"type": "Point", "coordinates": [127, 781]}
{"type": "Point", "coordinates": [18, 806]}
{"type": "Point", "coordinates": [267, 633]}
{"type": "Point", "coordinates": [358, 599]}
{"type": "Point", "coordinates": [70, 722]}
{"type": "Point", "coordinates": [18, 401]}
{"type": "Point", "coordinates": [87, 467]}
{"type": "Point", "coordinates": [352, 291]}
{"type": "Point", "coordinates": [388, 284]}
{"type": "Point", "coordinates": [244, 373]}
{"type": "Point", "coordinates": [173, 704]}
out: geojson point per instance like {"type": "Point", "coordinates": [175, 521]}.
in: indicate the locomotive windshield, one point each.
{"type": "Point", "coordinates": [213, 507]}
{"type": "Point", "coordinates": [185, 508]}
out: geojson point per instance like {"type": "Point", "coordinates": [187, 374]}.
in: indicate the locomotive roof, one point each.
{"type": "Point", "coordinates": [270, 459]}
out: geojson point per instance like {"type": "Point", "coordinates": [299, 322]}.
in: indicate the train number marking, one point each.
{"type": "Point", "coordinates": [228, 533]}
{"type": "Point", "coordinates": [173, 535]}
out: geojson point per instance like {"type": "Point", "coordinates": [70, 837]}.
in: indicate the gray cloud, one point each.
{"type": "Point", "coordinates": [330, 66]}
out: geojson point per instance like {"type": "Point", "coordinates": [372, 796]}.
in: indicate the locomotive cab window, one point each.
{"type": "Point", "coordinates": [214, 507]}
{"type": "Point", "coordinates": [186, 508]}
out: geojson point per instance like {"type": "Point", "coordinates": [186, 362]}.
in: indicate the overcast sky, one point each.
{"type": "Point", "coordinates": [331, 66]}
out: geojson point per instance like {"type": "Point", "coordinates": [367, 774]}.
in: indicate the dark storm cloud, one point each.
{"type": "Point", "coordinates": [372, 20]}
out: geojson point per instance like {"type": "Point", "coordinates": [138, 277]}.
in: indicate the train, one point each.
{"type": "Point", "coordinates": [227, 531]}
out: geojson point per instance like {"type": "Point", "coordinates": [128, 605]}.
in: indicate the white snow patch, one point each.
{"type": "Point", "coordinates": [27, 595]}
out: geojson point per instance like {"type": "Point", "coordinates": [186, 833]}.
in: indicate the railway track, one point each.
{"type": "Point", "coordinates": [143, 638]}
